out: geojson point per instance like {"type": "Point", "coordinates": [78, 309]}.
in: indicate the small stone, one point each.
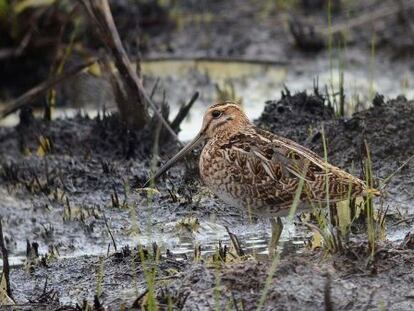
{"type": "Point", "coordinates": [390, 128]}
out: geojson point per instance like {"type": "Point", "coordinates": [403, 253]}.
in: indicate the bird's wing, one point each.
{"type": "Point", "coordinates": [281, 159]}
{"type": "Point", "coordinates": [285, 161]}
{"type": "Point", "coordinates": [298, 157]}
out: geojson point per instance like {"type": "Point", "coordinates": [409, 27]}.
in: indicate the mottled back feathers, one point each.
{"type": "Point", "coordinates": [261, 170]}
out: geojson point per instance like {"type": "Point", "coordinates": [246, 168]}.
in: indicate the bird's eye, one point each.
{"type": "Point", "coordinates": [216, 114]}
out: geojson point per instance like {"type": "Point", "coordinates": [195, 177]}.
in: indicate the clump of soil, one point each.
{"type": "Point", "coordinates": [385, 127]}
{"type": "Point", "coordinates": [303, 281]}
{"type": "Point", "coordinates": [105, 136]}
{"type": "Point", "coordinates": [294, 115]}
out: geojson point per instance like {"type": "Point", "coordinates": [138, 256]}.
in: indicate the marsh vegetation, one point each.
{"type": "Point", "coordinates": [95, 96]}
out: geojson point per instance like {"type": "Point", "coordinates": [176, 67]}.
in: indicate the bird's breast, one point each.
{"type": "Point", "coordinates": [226, 173]}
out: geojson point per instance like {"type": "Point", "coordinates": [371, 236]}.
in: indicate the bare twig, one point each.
{"type": "Point", "coordinates": [27, 98]}
{"type": "Point", "coordinates": [136, 302]}
{"type": "Point", "coordinates": [132, 107]}
{"type": "Point", "coordinates": [100, 12]}
{"type": "Point", "coordinates": [183, 112]}
{"type": "Point", "coordinates": [235, 242]}
{"type": "Point", "coordinates": [109, 231]}
{"type": "Point", "coordinates": [406, 220]}
{"type": "Point", "coordinates": [5, 255]}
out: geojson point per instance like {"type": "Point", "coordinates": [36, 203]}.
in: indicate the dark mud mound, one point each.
{"type": "Point", "coordinates": [301, 282]}
{"type": "Point", "coordinates": [386, 127]}
{"type": "Point", "coordinates": [105, 136]}
{"type": "Point", "coordinates": [293, 116]}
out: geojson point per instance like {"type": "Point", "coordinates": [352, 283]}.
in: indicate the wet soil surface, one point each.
{"type": "Point", "coordinates": [66, 185]}
{"type": "Point", "coordinates": [301, 282]}
{"type": "Point", "coordinates": [76, 281]}
{"type": "Point", "coordinates": [90, 170]}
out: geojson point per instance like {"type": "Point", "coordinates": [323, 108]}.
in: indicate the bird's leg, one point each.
{"type": "Point", "coordinates": [277, 228]}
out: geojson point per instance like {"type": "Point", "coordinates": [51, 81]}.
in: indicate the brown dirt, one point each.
{"type": "Point", "coordinates": [301, 282]}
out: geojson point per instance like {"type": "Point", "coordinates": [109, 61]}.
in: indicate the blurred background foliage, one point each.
{"type": "Point", "coordinates": [36, 35]}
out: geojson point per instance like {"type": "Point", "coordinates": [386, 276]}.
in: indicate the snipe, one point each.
{"type": "Point", "coordinates": [249, 167]}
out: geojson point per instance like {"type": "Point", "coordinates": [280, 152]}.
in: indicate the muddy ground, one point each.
{"type": "Point", "coordinates": [74, 213]}
{"type": "Point", "coordinates": [60, 201]}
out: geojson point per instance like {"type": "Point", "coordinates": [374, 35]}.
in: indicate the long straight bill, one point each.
{"type": "Point", "coordinates": [187, 148]}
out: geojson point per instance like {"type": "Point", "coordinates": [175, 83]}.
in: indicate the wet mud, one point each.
{"type": "Point", "coordinates": [75, 214]}
{"type": "Point", "coordinates": [118, 279]}
{"type": "Point", "coordinates": [302, 282]}
{"type": "Point", "coordinates": [69, 195]}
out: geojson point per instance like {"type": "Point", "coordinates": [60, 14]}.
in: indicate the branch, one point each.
{"type": "Point", "coordinates": [100, 12]}
{"type": "Point", "coordinates": [28, 98]}
{"type": "Point", "coordinates": [183, 112]}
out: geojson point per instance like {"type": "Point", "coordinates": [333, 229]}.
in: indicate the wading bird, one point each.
{"type": "Point", "coordinates": [251, 168]}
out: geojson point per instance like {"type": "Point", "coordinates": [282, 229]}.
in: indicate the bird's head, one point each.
{"type": "Point", "coordinates": [221, 120]}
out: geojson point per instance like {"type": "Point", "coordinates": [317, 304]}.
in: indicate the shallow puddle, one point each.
{"type": "Point", "coordinates": [254, 240]}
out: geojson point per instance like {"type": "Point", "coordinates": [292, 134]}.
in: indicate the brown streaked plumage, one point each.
{"type": "Point", "coordinates": [249, 167]}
